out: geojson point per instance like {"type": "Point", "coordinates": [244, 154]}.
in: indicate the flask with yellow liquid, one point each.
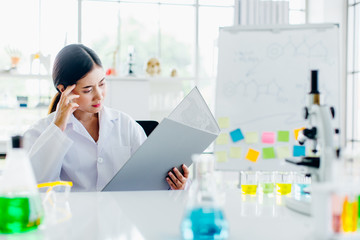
{"type": "Point", "coordinates": [20, 204]}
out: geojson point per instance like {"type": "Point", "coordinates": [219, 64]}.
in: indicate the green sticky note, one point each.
{"type": "Point", "coordinates": [283, 136]}
{"type": "Point", "coordinates": [224, 122]}
{"type": "Point", "coordinates": [268, 153]}
{"type": "Point", "coordinates": [251, 137]}
{"type": "Point", "coordinates": [283, 152]}
{"type": "Point", "coordinates": [222, 139]}
{"type": "Point", "coordinates": [235, 152]}
{"type": "Point", "coordinates": [221, 156]}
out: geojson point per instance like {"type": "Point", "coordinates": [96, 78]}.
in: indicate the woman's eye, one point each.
{"type": "Point", "coordinates": [87, 91]}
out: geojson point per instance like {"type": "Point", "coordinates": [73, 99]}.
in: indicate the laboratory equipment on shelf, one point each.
{"type": "Point", "coordinates": [20, 203]}
{"type": "Point", "coordinates": [204, 217]}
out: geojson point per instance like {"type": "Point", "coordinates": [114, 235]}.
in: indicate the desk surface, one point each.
{"type": "Point", "coordinates": [157, 215]}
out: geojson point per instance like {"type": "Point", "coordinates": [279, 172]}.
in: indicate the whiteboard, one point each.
{"type": "Point", "coordinates": [262, 87]}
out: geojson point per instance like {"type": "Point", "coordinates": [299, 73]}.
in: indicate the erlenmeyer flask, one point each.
{"type": "Point", "coordinates": [204, 217]}
{"type": "Point", "coordinates": [20, 204]}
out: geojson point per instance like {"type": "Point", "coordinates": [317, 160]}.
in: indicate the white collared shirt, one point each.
{"type": "Point", "coordinates": [73, 155]}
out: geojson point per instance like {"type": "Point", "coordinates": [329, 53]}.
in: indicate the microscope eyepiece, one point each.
{"type": "Point", "coordinates": [314, 82]}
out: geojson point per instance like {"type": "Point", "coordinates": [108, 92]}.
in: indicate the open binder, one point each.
{"type": "Point", "coordinates": [189, 129]}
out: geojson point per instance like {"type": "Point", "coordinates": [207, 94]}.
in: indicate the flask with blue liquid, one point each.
{"type": "Point", "coordinates": [204, 217]}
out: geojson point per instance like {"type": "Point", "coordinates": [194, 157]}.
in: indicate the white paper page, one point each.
{"type": "Point", "coordinates": [194, 112]}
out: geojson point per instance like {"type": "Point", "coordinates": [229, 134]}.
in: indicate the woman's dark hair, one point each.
{"type": "Point", "coordinates": [71, 64]}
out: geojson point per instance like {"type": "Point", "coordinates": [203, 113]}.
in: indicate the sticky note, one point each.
{"type": "Point", "coordinates": [296, 132]}
{"type": "Point", "coordinates": [221, 156]}
{"type": "Point", "coordinates": [252, 155]}
{"type": "Point", "coordinates": [222, 139]}
{"type": "Point", "coordinates": [251, 137]}
{"type": "Point", "coordinates": [283, 152]}
{"type": "Point", "coordinates": [235, 152]}
{"type": "Point", "coordinates": [299, 151]}
{"type": "Point", "coordinates": [283, 136]}
{"type": "Point", "coordinates": [268, 137]}
{"type": "Point", "coordinates": [224, 122]}
{"type": "Point", "coordinates": [268, 153]}
{"type": "Point", "coordinates": [236, 135]}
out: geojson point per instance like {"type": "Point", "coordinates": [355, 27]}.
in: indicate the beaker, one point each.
{"type": "Point", "coordinates": [266, 182]}
{"type": "Point", "coordinates": [301, 184]}
{"type": "Point", "coordinates": [249, 182]}
{"type": "Point", "coordinates": [283, 181]}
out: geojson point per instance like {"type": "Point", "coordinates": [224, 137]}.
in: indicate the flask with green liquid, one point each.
{"type": "Point", "coordinates": [204, 218]}
{"type": "Point", "coordinates": [20, 204]}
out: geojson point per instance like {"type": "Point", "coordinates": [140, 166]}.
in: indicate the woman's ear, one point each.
{"type": "Point", "coordinates": [60, 87]}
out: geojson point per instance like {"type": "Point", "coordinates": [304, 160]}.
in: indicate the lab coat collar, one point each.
{"type": "Point", "coordinates": [106, 123]}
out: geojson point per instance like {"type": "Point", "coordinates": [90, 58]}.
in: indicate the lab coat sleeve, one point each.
{"type": "Point", "coordinates": [47, 150]}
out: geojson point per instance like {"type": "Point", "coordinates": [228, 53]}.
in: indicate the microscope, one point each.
{"type": "Point", "coordinates": [319, 135]}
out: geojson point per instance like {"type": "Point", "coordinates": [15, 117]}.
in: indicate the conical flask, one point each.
{"type": "Point", "coordinates": [204, 217]}
{"type": "Point", "coordinates": [20, 204]}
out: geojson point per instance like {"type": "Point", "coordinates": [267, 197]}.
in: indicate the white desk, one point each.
{"type": "Point", "coordinates": [157, 215]}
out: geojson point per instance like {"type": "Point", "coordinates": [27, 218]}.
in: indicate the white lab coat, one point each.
{"type": "Point", "coordinates": [73, 155]}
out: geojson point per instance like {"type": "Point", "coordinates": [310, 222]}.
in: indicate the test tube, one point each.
{"type": "Point", "coordinates": [249, 182]}
{"type": "Point", "coordinates": [283, 182]}
{"type": "Point", "coordinates": [266, 182]}
{"type": "Point", "coordinates": [349, 214]}
{"type": "Point", "coordinates": [336, 212]}
{"type": "Point", "coordinates": [358, 220]}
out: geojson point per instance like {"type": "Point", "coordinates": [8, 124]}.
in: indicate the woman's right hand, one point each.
{"type": "Point", "coordinates": [65, 107]}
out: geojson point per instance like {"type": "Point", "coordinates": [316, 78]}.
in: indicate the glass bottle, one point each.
{"type": "Point", "coordinates": [204, 218]}
{"type": "Point", "coordinates": [20, 204]}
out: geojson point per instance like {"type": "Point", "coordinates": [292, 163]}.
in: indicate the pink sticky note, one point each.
{"type": "Point", "coordinates": [268, 137]}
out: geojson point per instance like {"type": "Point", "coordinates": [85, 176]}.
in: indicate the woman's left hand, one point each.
{"type": "Point", "coordinates": [176, 180]}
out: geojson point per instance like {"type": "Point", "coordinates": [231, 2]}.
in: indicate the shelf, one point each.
{"type": "Point", "coordinates": [23, 108]}
{"type": "Point", "coordinates": [111, 78]}
{"type": "Point", "coordinates": [26, 76]}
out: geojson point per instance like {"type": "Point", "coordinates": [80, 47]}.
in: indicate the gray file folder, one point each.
{"type": "Point", "coordinates": [189, 129]}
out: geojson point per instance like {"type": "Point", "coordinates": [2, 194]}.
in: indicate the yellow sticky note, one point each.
{"type": "Point", "coordinates": [251, 137]}
{"type": "Point", "coordinates": [224, 122]}
{"type": "Point", "coordinates": [221, 156]}
{"type": "Point", "coordinates": [222, 139]}
{"type": "Point", "coordinates": [252, 155]}
{"type": "Point", "coordinates": [235, 152]}
{"type": "Point", "coordinates": [296, 132]}
{"type": "Point", "coordinates": [283, 152]}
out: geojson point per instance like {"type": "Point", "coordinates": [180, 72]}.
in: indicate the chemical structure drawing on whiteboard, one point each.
{"type": "Point", "coordinates": [252, 89]}
{"type": "Point", "coordinates": [315, 50]}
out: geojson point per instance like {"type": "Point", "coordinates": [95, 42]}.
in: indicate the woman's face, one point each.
{"type": "Point", "coordinates": [92, 91]}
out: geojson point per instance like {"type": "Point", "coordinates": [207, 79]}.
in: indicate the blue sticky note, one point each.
{"type": "Point", "coordinates": [299, 151]}
{"type": "Point", "coordinates": [236, 135]}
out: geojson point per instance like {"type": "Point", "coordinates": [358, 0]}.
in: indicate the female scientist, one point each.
{"type": "Point", "coordinates": [81, 140]}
